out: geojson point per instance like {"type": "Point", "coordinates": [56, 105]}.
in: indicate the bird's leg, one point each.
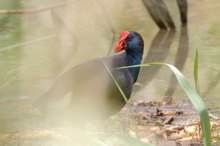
{"type": "Point", "coordinates": [183, 7]}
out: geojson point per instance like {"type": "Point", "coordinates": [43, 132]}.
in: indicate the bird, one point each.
{"type": "Point", "coordinates": [88, 90]}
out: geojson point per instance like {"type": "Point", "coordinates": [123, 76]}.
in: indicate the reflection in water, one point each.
{"type": "Point", "coordinates": [68, 43]}
{"type": "Point", "coordinates": [158, 51]}
{"type": "Point", "coordinates": [10, 33]}
{"type": "Point", "coordinates": [3, 22]}
{"type": "Point", "coordinates": [212, 85]}
{"type": "Point", "coordinates": [180, 61]}
{"type": "Point", "coordinates": [25, 65]}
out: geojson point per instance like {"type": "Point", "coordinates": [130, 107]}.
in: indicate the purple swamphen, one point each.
{"type": "Point", "coordinates": [88, 88]}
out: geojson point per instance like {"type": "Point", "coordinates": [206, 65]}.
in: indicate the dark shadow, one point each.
{"type": "Point", "coordinates": [180, 61]}
{"type": "Point", "coordinates": [159, 13]}
{"type": "Point", "coordinates": [158, 51]}
{"type": "Point", "coordinates": [67, 42]}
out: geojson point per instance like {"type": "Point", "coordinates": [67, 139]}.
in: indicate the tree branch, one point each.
{"type": "Point", "coordinates": [35, 10]}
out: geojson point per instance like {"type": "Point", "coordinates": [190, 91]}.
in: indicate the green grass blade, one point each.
{"type": "Point", "coordinates": [192, 95]}
{"type": "Point", "coordinates": [197, 103]}
{"type": "Point", "coordinates": [196, 72]}
{"type": "Point", "coordinates": [135, 141]}
{"type": "Point", "coordinates": [110, 73]}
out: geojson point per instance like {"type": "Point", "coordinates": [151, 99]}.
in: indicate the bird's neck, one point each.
{"type": "Point", "coordinates": [134, 58]}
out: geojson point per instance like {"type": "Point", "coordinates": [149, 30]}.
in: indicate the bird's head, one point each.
{"type": "Point", "coordinates": [130, 41]}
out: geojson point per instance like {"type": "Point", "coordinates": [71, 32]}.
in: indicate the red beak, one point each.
{"type": "Point", "coordinates": [121, 45]}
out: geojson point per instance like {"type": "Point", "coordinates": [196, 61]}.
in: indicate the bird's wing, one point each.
{"type": "Point", "coordinates": [69, 80]}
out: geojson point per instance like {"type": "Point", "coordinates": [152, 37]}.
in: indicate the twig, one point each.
{"type": "Point", "coordinates": [35, 10]}
{"type": "Point", "coordinates": [28, 42]}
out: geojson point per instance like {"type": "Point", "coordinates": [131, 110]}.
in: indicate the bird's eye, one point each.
{"type": "Point", "coordinates": [128, 37]}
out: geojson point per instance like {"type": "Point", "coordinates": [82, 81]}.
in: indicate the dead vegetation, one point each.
{"type": "Point", "coordinates": [166, 123]}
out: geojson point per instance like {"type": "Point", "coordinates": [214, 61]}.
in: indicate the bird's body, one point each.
{"type": "Point", "coordinates": [93, 92]}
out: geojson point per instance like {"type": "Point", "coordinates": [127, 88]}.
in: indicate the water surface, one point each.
{"type": "Point", "coordinates": [36, 48]}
